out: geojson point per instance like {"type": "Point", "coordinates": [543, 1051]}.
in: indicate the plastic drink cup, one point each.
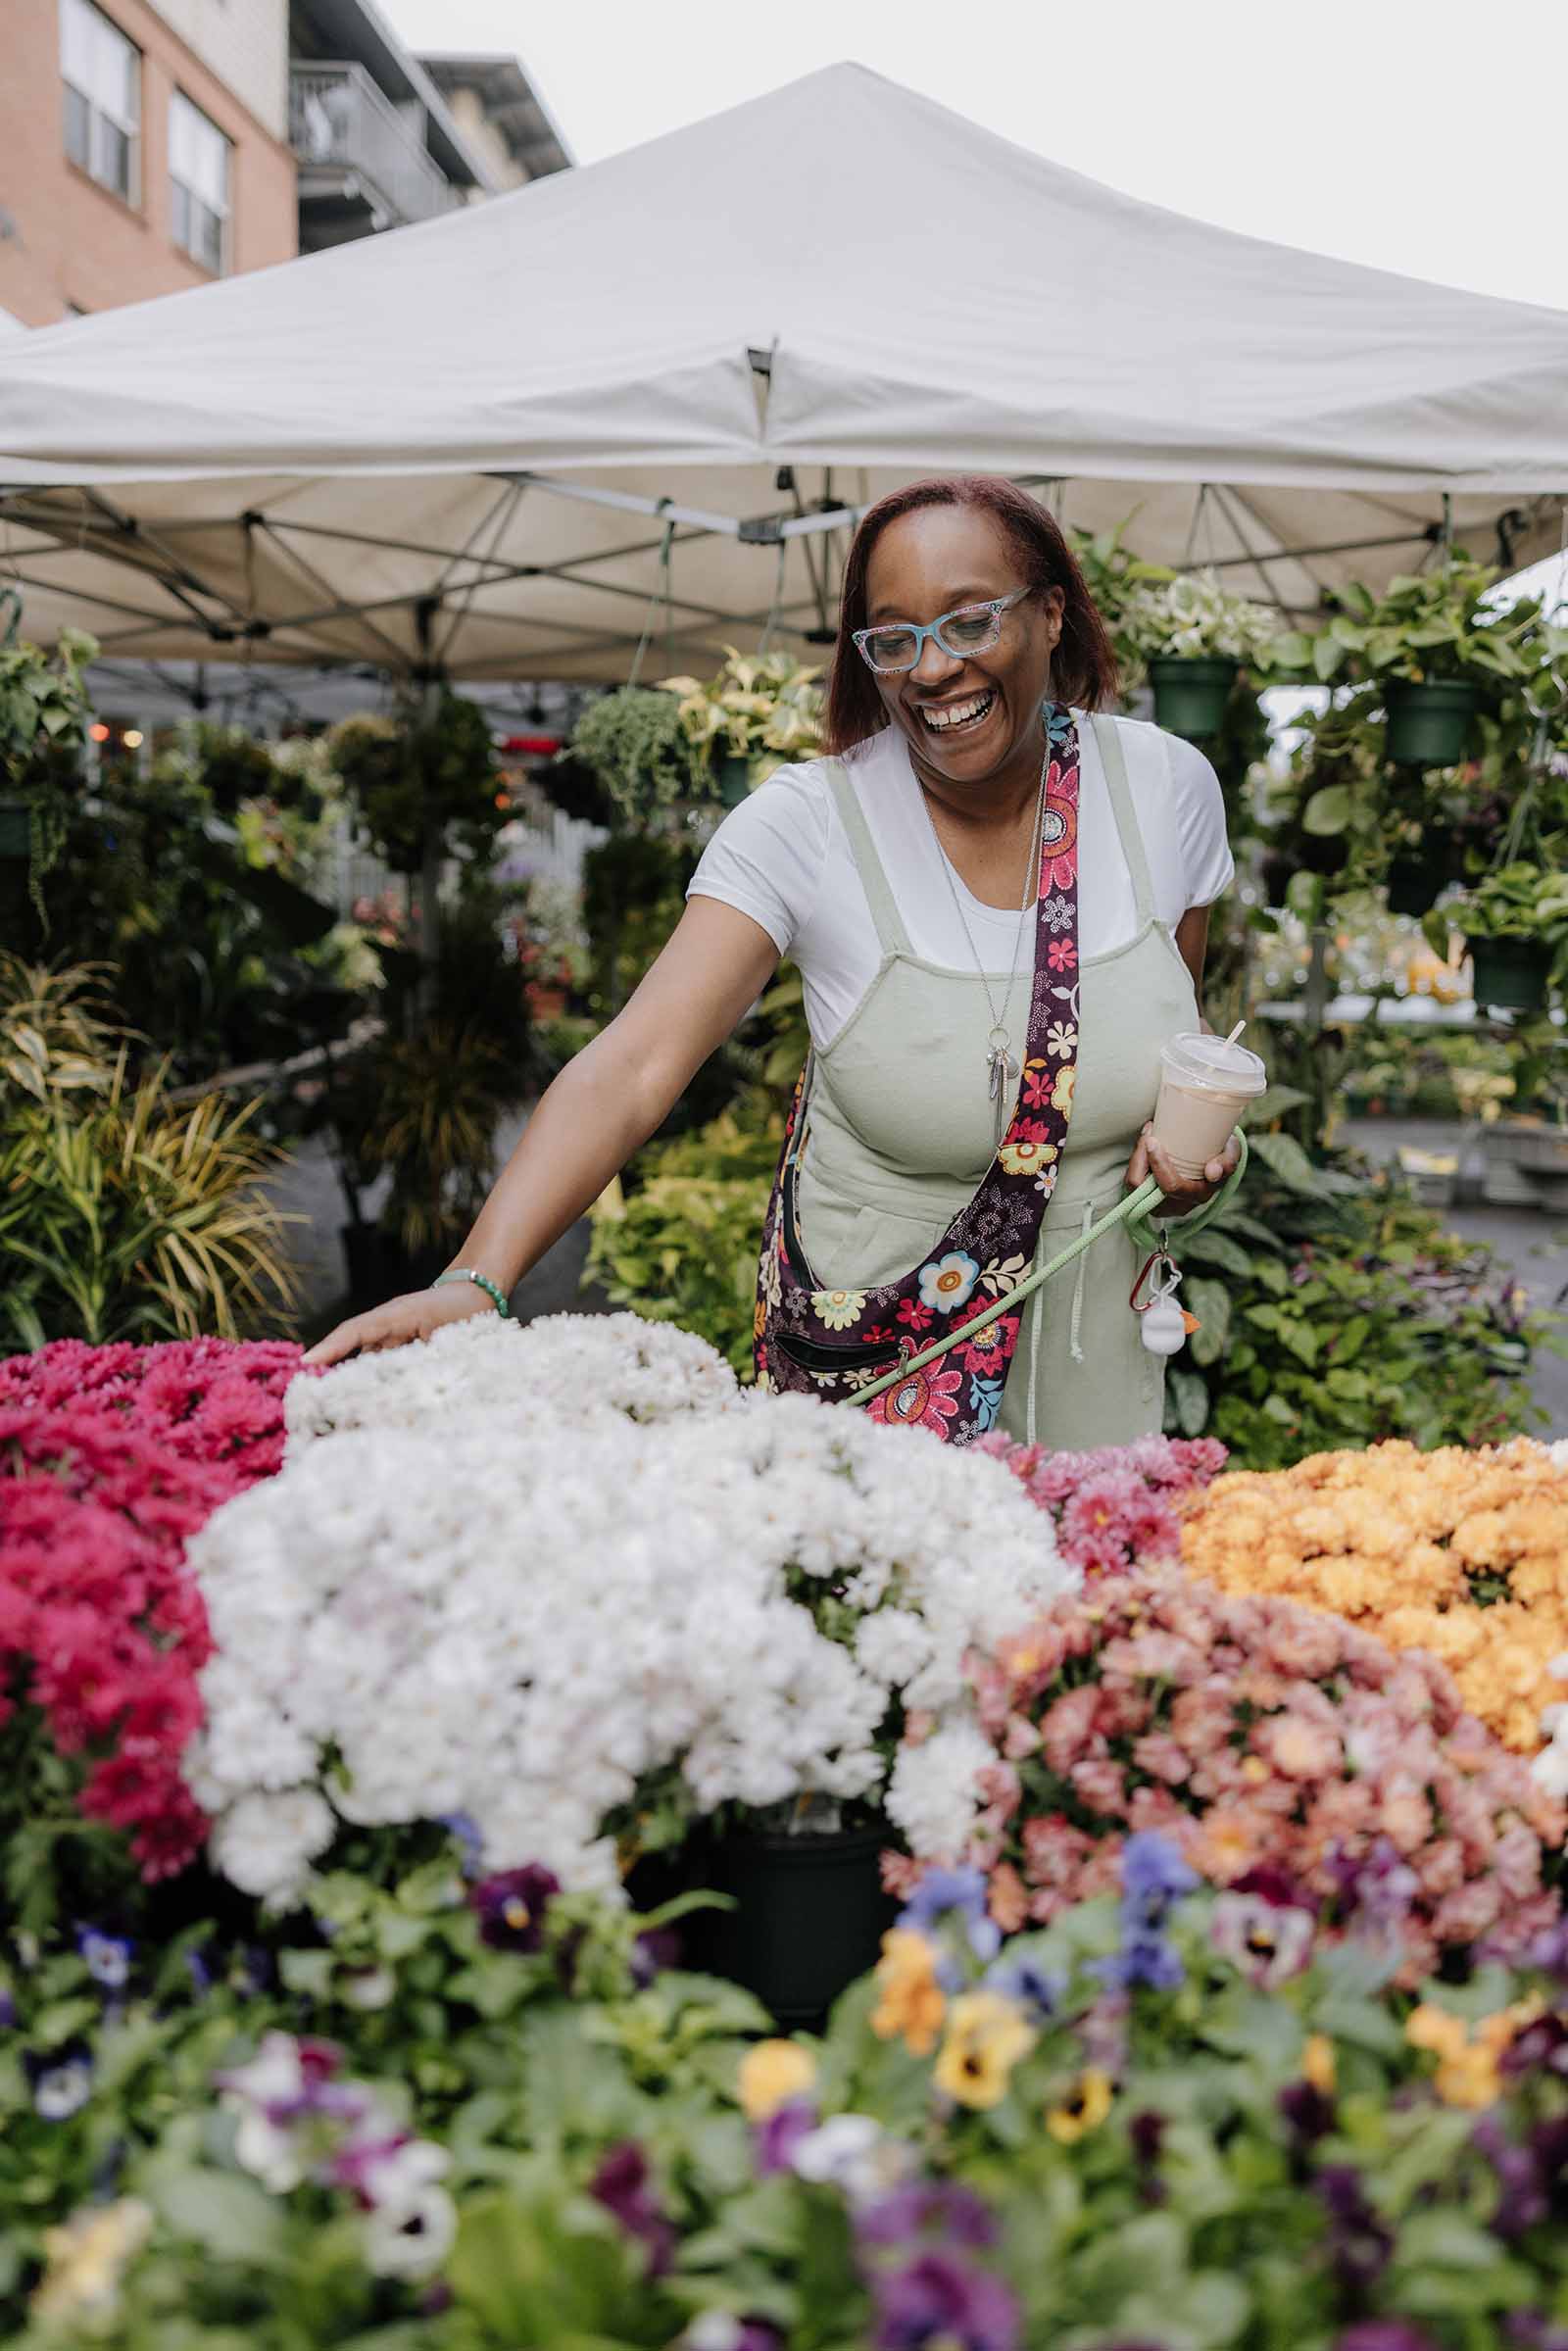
{"type": "Point", "coordinates": [1205, 1083]}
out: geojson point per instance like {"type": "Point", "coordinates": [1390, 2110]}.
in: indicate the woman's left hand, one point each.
{"type": "Point", "coordinates": [1182, 1193]}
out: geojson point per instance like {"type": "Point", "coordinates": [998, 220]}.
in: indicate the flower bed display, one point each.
{"type": "Point", "coordinates": [1461, 1553]}
{"type": "Point", "coordinates": [475, 2118]}
{"type": "Point", "coordinates": [1257, 1734]}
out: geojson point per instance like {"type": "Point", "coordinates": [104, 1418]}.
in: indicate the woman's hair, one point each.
{"type": "Point", "coordinates": [1083, 669]}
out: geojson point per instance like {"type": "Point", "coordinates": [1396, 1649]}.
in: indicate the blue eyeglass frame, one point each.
{"type": "Point", "coordinates": [996, 606]}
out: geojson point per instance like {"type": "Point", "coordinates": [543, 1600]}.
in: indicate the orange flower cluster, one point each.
{"type": "Point", "coordinates": [1461, 1552]}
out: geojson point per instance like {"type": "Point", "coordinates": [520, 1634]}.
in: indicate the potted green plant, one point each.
{"type": "Point", "coordinates": [44, 714]}
{"type": "Point", "coordinates": [420, 770]}
{"type": "Point", "coordinates": [1515, 920]}
{"type": "Point", "coordinates": [638, 746]}
{"type": "Point", "coordinates": [1195, 636]}
{"type": "Point", "coordinates": [758, 712]}
{"type": "Point", "coordinates": [1434, 647]}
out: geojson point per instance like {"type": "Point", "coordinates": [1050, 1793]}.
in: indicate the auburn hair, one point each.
{"type": "Point", "coordinates": [1083, 669]}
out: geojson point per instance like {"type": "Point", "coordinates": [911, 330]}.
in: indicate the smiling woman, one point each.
{"type": "Point", "coordinates": [997, 896]}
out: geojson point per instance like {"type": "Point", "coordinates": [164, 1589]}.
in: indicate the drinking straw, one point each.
{"type": "Point", "coordinates": [1147, 1191]}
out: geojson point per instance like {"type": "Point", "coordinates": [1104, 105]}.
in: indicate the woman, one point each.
{"type": "Point", "coordinates": [998, 900]}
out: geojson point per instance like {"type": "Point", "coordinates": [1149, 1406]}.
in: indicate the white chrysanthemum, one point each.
{"type": "Point", "coordinates": [560, 1367]}
{"type": "Point", "coordinates": [931, 1795]}
{"type": "Point", "coordinates": [265, 1843]}
{"type": "Point", "coordinates": [502, 1614]}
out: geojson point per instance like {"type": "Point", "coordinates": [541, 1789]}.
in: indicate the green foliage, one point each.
{"type": "Point", "coordinates": [638, 745]}
{"type": "Point", "coordinates": [634, 887]}
{"type": "Point", "coordinates": [764, 708]}
{"type": "Point", "coordinates": [122, 1214]}
{"type": "Point", "coordinates": [1521, 900]}
{"type": "Point", "coordinates": [1430, 624]}
{"type": "Point", "coordinates": [44, 713]}
{"type": "Point", "coordinates": [683, 1247]}
{"type": "Point", "coordinates": [422, 771]}
{"type": "Point", "coordinates": [1336, 1312]}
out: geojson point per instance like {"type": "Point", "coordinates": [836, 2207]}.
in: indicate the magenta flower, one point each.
{"type": "Point", "coordinates": [622, 2186]}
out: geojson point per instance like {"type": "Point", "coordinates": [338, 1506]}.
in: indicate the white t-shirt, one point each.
{"type": "Point", "coordinates": [783, 857]}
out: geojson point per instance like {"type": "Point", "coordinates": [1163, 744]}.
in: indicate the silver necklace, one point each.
{"type": "Point", "coordinates": [1000, 1068]}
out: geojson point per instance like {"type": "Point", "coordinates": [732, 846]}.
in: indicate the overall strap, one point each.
{"type": "Point", "coordinates": [892, 937]}
{"type": "Point", "coordinates": [1107, 734]}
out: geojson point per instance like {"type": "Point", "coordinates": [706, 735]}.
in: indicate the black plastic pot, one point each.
{"type": "Point", "coordinates": [809, 1914]}
{"type": "Point", "coordinates": [1190, 696]}
{"type": "Point", "coordinates": [1416, 877]}
{"type": "Point", "coordinates": [1429, 719]}
{"type": "Point", "coordinates": [1511, 975]}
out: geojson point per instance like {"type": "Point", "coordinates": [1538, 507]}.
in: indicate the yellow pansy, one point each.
{"type": "Point", "coordinates": [986, 2034]}
{"type": "Point", "coordinates": [1317, 2064]}
{"type": "Point", "coordinates": [1084, 2108]}
{"type": "Point", "coordinates": [770, 2075]}
{"type": "Point", "coordinates": [912, 2002]}
{"type": "Point", "coordinates": [86, 2257]}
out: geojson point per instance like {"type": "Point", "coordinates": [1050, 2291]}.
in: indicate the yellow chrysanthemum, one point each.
{"type": "Point", "coordinates": [1083, 2109]}
{"type": "Point", "coordinates": [912, 2002]}
{"type": "Point", "coordinates": [986, 2034]}
{"type": "Point", "coordinates": [771, 2073]}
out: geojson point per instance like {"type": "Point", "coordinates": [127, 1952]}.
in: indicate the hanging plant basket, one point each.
{"type": "Point", "coordinates": [1511, 975]}
{"type": "Point", "coordinates": [1417, 877]}
{"type": "Point", "coordinates": [15, 828]}
{"type": "Point", "coordinates": [734, 780]}
{"type": "Point", "coordinates": [1190, 696]}
{"type": "Point", "coordinates": [809, 1913]}
{"type": "Point", "coordinates": [1429, 719]}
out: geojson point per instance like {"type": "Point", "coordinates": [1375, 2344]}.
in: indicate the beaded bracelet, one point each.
{"type": "Point", "coordinates": [466, 1273]}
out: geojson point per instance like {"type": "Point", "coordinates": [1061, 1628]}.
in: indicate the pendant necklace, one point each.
{"type": "Point", "coordinates": [1002, 1070]}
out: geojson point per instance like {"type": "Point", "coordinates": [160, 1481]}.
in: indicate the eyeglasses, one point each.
{"type": "Point", "coordinates": [970, 628]}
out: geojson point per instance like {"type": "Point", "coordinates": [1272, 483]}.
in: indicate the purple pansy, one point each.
{"type": "Point", "coordinates": [938, 2299]}
{"type": "Point", "coordinates": [510, 1906]}
{"type": "Point", "coordinates": [959, 1894]}
{"type": "Point", "coordinates": [622, 2186]}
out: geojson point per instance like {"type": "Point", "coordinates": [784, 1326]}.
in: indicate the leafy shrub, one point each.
{"type": "Point", "coordinates": [683, 1247]}
{"type": "Point", "coordinates": [1334, 1312]}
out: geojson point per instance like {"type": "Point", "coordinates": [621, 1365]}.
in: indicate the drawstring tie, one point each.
{"type": "Point", "coordinates": [1077, 1325]}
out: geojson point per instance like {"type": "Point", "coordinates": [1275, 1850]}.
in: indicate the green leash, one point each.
{"type": "Point", "coordinates": [1132, 1211]}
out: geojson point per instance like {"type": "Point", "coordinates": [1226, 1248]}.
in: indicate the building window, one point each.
{"type": "Point", "coordinates": [102, 74]}
{"type": "Point", "coordinates": [199, 170]}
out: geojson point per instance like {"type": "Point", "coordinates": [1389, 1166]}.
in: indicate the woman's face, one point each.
{"type": "Point", "coordinates": [966, 719]}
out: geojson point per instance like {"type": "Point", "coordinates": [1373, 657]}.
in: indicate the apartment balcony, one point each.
{"type": "Point", "coordinates": [363, 161]}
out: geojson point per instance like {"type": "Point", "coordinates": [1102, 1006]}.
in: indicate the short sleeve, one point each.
{"type": "Point", "coordinates": [766, 857]}
{"type": "Point", "coordinates": [1206, 849]}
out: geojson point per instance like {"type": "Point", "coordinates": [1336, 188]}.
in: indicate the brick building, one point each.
{"type": "Point", "coordinates": [142, 150]}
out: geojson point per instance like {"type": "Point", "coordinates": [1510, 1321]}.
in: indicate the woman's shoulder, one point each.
{"type": "Point", "coordinates": [1184, 763]}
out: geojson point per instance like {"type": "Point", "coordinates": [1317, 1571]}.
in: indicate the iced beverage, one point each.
{"type": "Point", "coordinates": [1204, 1085]}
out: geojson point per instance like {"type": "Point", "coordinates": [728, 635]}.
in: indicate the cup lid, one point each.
{"type": "Point", "coordinates": [1205, 1061]}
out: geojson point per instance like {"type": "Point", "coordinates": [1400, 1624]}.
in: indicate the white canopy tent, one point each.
{"type": "Point", "coordinates": [648, 396]}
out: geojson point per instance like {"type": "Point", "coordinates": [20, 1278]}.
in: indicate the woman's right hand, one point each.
{"type": "Point", "coordinates": [413, 1316]}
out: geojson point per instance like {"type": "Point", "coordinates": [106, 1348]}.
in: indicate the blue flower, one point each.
{"type": "Point", "coordinates": [1143, 1959]}
{"type": "Point", "coordinates": [463, 1830]}
{"type": "Point", "coordinates": [1154, 1876]}
{"type": "Point", "coordinates": [1035, 1989]}
{"type": "Point", "coordinates": [957, 1894]}
{"type": "Point", "coordinates": [107, 1957]}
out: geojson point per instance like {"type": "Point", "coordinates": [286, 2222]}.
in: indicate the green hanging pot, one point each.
{"type": "Point", "coordinates": [15, 828]}
{"type": "Point", "coordinates": [1429, 719]}
{"type": "Point", "coordinates": [1190, 696]}
{"type": "Point", "coordinates": [734, 780]}
{"type": "Point", "coordinates": [1511, 975]}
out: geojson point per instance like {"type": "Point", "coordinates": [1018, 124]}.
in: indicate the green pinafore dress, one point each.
{"type": "Point", "coordinates": [902, 1130]}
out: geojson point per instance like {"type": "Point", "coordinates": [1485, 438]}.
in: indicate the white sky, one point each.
{"type": "Point", "coordinates": [1423, 135]}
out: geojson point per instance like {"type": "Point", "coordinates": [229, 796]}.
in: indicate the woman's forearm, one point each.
{"type": "Point", "coordinates": [586, 1126]}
